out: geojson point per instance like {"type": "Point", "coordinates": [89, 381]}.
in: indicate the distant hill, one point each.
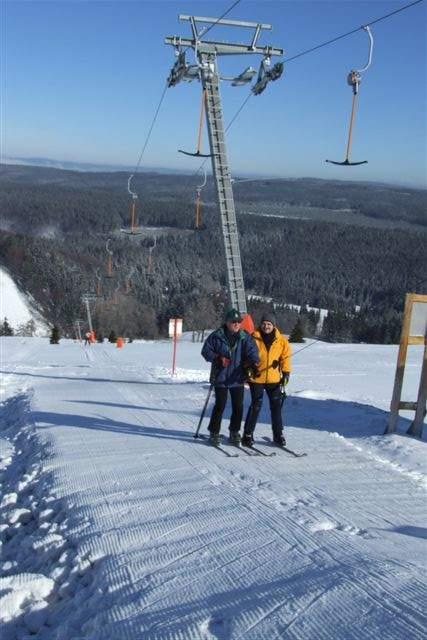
{"type": "Point", "coordinates": [356, 203]}
{"type": "Point", "coordinates": [78, 166]}
{"type": "Point", "coordinates": [325, 244]}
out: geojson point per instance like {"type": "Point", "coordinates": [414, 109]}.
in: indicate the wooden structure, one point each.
{"type": "Point", "coordinates": [414, 331]}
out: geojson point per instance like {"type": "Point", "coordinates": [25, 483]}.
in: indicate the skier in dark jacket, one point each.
{"type": "Point", "coordinates": [231, 350]}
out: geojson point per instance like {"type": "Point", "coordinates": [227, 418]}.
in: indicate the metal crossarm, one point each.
{"type": "Point", "coordinates": [223, 48]}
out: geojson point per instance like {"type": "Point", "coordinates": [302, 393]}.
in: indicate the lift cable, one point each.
{"type": "Point", "coordinates": [147, 139]}
{"type": "Point", "coordinates": [303, 53]}
{"type": "Point", "coordinates": [150, 131]}
{"type": "Point", "coordinates": [164, 93]}
{"type": "Point", "coordinates": [217, 20]}
{"type": "Point", "coordinates": [134, 195]}
{"type": "Point", "coordinates": [298, 55]}
{"type": "Point", "coordinates": [349, 33]}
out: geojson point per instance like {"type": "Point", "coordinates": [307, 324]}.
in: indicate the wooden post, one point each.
{"type": "Point", "coordinates": [400, 370]}
{"type": "Point", "coordinates": [410, 335]}
{"type": "Point", "coordinates": [416, 428]}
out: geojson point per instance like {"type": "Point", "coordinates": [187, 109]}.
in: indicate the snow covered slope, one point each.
{"type": "Point", "coordinates": [117, 524]}
{"type": "Point", "coordinates": [17, 308]}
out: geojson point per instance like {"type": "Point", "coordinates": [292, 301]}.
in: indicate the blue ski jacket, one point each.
{"type": "Point", "coordinates": [243, 354]}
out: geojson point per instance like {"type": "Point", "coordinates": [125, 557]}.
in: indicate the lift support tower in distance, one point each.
{"type": "Point", "coordinates": [206, 70]}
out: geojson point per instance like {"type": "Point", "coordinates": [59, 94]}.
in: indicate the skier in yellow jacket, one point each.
{"type": "Point", "coordinates": [272, 372]}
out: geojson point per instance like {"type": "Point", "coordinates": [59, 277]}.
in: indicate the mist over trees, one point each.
{"type": "Point", "coordinates": [56, 225]}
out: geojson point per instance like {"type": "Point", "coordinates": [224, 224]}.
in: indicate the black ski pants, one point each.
{"type": "Point", "coordinates": [221, 394]}
{"type": "Point", "coordinates": [275, 398]}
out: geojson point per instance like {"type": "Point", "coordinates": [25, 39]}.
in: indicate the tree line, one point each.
{"type": "Point", "coordinates": [55, 246]}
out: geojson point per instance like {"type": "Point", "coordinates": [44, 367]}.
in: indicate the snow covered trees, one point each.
{"type": "Point", "coordinates": [297, 334]}
{"type": "Point", "coordinates": [6, 329]}
{"type": "Point", "coordinates": [54, 337]}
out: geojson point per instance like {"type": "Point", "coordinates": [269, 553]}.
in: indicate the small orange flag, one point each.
{"type": "Point", "coordinates": [247, 323]}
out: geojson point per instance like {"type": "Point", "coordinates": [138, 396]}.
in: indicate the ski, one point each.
{"type": "Point", "coordinates": [258, 451]}
{"type": "Point", "coordinates": [218, 447]}
{"type": "Point", "coordinates": [290, 451]}
{"type": "Point", "coordinates": [251, 455]}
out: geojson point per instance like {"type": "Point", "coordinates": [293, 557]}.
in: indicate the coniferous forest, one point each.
{"type": "Point", "coordinates": [354, 249]}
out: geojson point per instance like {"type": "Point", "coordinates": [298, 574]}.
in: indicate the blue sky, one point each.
{"type": "Point", "coordinates": [81, 81]}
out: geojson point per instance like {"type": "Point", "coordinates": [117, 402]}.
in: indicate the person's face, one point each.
{"type": "Point", "coordinates": [267, 327]}
{"type": "Point", "coordinates": [233, 326]}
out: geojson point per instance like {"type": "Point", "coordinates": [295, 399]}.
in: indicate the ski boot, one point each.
{"type": "Point", "coordinates": [280, 440]}
{"type": "Point", "coordinates": [214, 439]}
{"type": "Point", "coordinates": [234, 438]}
{"type": "Point", "coordinates": [247, 440]}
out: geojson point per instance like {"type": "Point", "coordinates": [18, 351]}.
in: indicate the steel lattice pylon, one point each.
{"type": "Point", "coordinates": [206, 70]}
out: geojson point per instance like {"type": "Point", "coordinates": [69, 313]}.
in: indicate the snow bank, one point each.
{"type": "Point", "coordinates": [116, 523]}
{"type": "Point", "coordinates": [17, 307]}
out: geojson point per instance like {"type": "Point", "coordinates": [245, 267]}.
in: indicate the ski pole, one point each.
{"type": "Point", "coordinates": [196, 435]}
{"type": "Point", "coordinates": [284, 396]}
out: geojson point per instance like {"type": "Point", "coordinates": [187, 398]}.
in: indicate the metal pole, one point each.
{"type": "Point", "coordinates": [221, 172]}
{"type": "Point", "coordinates": [175, 322]}
{"type": "Point", "coordinates": [196, 435]}
{"type": "Point", "coordinates": [206, 52]}
{"type": "Point", "coordinates": [89, 318]}
{"type": "Point", "coordinates": [79, 333]}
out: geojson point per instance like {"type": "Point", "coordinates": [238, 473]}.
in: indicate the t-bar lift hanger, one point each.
{"type": "Point", "coordinates": [133, 223]}
{"type": "Point", "coordinates": [353, 79]}
{"type": "Point", "coordinates": [198, 153]}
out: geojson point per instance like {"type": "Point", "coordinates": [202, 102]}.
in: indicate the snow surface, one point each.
{"type": "Point", "coordinates": [116, 523]}
{"type": "Point", "coordinates": [17, 307]}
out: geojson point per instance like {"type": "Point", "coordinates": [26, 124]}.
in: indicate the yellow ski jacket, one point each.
{"type": "Point", "coordinates": [280, 352]}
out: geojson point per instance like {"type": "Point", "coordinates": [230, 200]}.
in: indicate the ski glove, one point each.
{"type": "Point", "coordinates": [275, 364]}
{"type": "Point", "coordinates": [251, 372]}
{"type": "Point", "coordinates": [284, 378]}
{"type": "Point", "coordinates": [223, 361]}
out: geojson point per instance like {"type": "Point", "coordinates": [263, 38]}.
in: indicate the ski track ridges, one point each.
{"type": "Point", "coordinates": [273, 608]}
{"type": "Point", "coordinates": [417, 477]}
{"type": "Point", "coordinates": [40, 566]}
{"type": "Point", "coordinates": [165, 547]}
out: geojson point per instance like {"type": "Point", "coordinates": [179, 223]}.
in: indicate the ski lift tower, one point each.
{"type": "Point", "coordinates": [87, 298]}
{"type": "Point", "coordinates": [206, 70]}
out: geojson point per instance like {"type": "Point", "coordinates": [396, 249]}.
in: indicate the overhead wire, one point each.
{"type": "Point", "coordinates": [147, 139]}
{"type": "Point", "coordinates": [307, 51]}
{"type": "Point", "coordinates": [349, 33]}
{"type": "Point", "coordinates": [287, 60]}
{"type": "Point", "coordinates": [217, 20]}
{"type": "Point", "coordinates": [221, 17]}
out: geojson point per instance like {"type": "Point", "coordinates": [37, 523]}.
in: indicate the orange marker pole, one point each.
{"type": "Point", "coordinates": [197, 223]}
